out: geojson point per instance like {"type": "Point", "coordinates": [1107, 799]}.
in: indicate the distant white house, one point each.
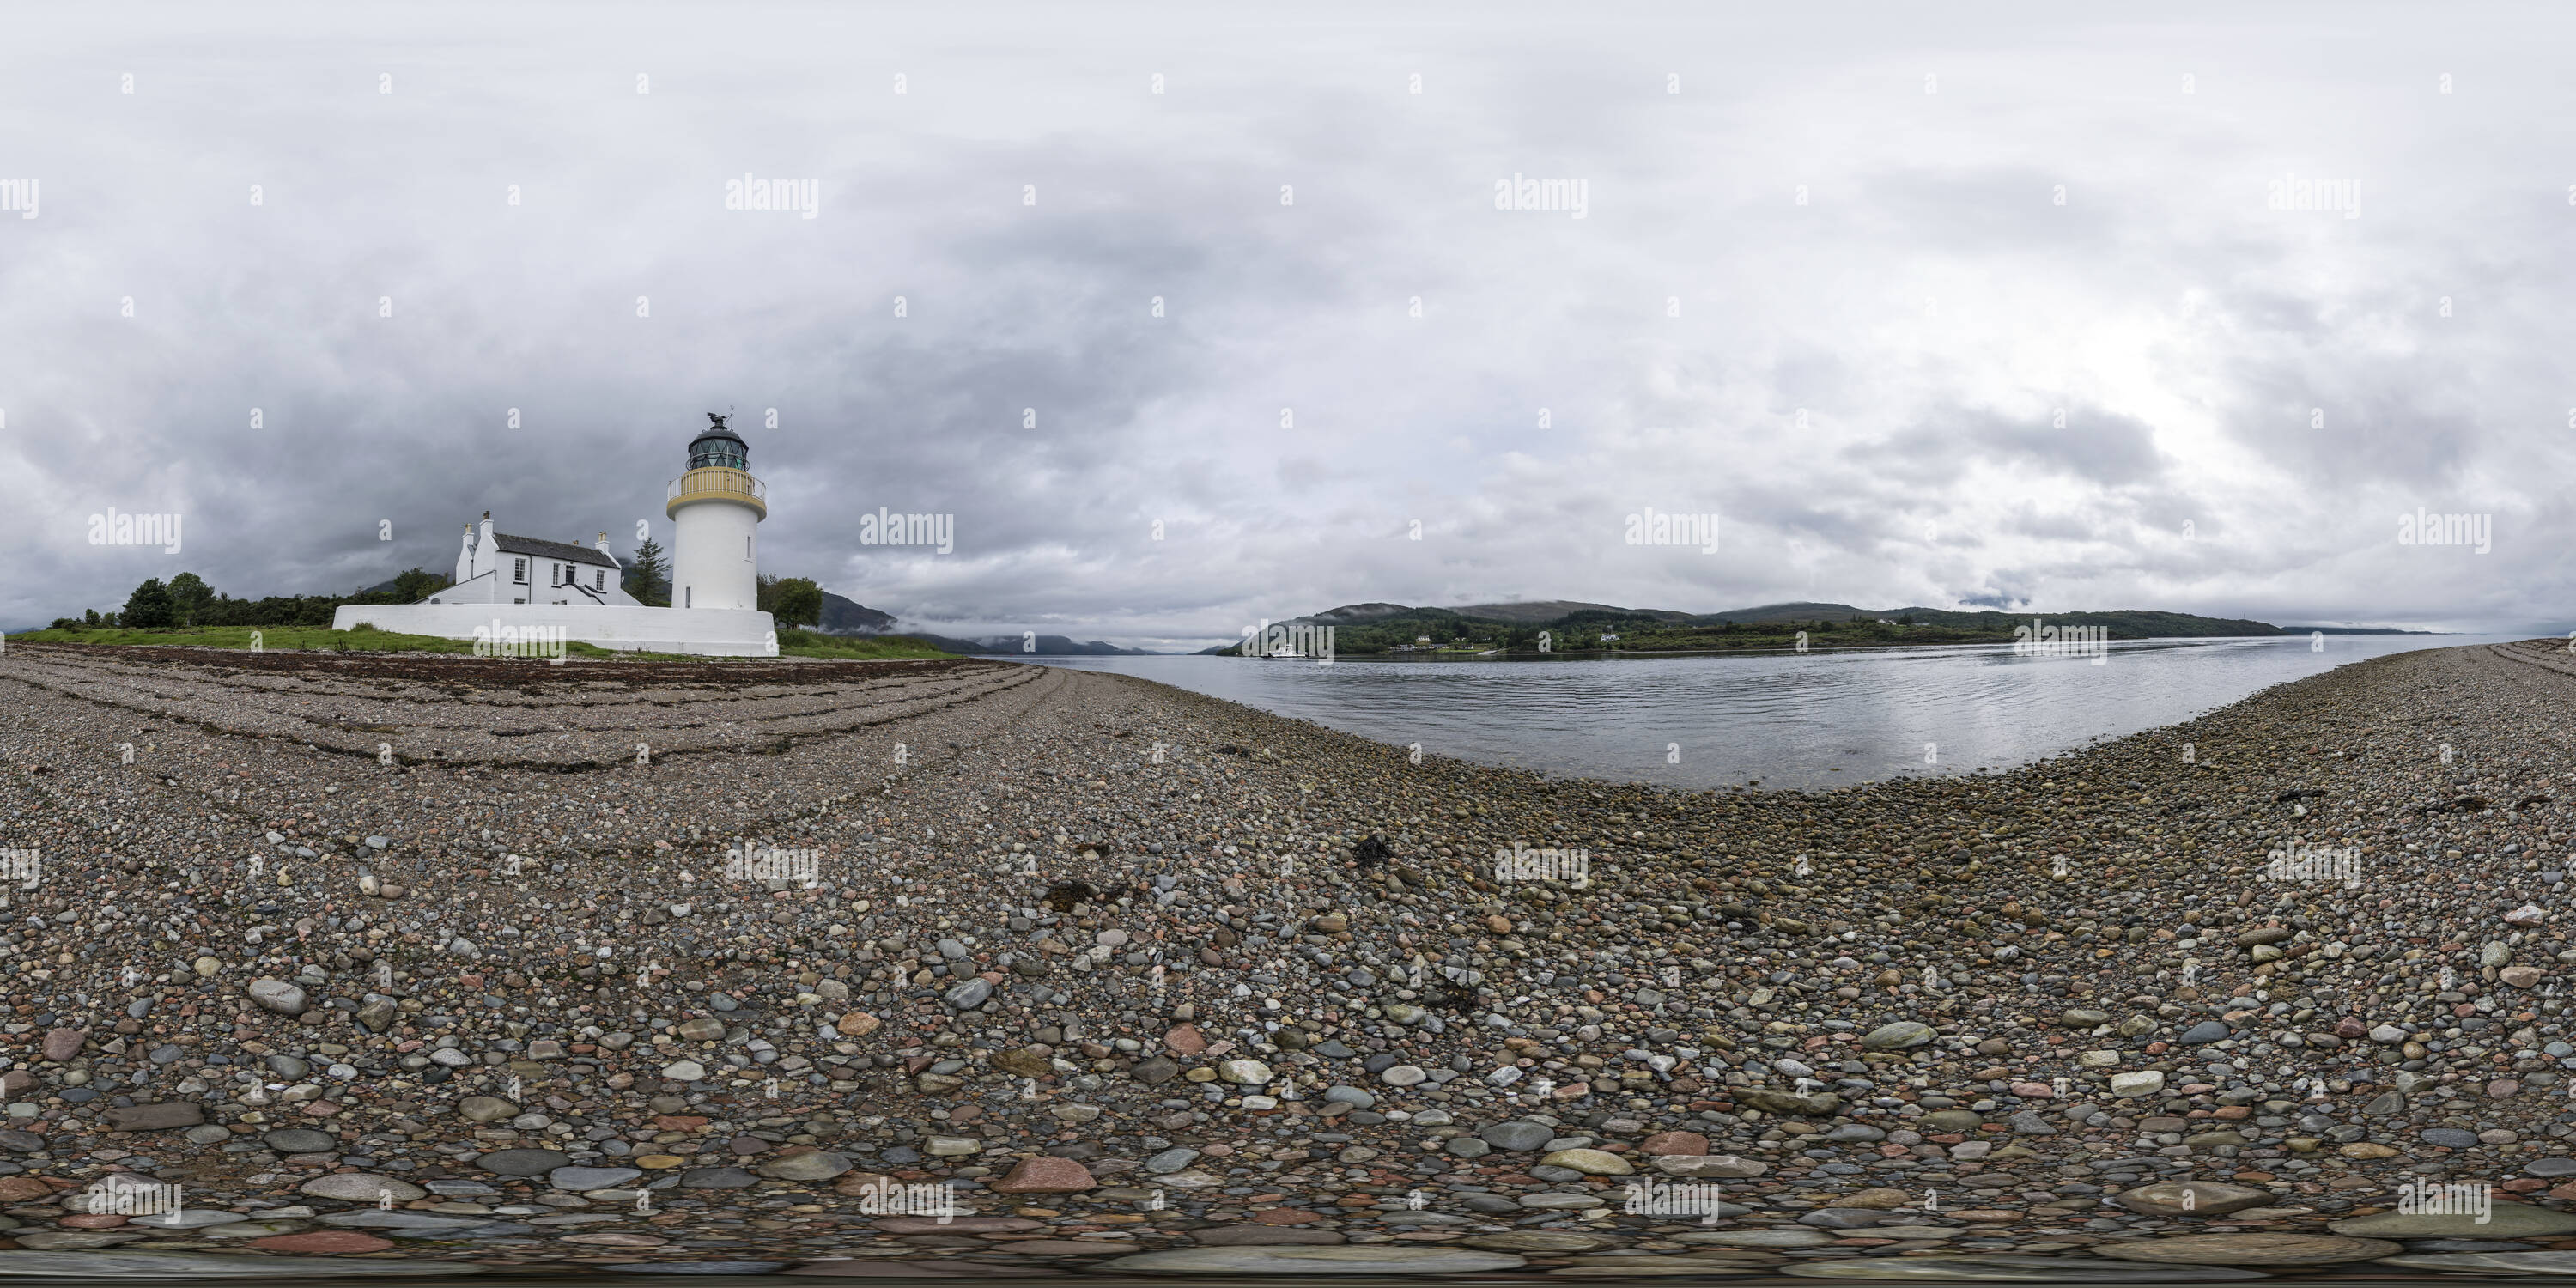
{"type": "Point", "coordinates": [497, 568]}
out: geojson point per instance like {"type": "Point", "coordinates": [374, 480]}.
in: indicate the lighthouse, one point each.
{"type": "Point", "coordinates": [511, 590]}
{"type": "Point", "coordinates": [715, 510]}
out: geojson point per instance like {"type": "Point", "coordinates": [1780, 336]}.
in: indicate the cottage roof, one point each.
{"type": "Point", "coordinates": [544, 549]}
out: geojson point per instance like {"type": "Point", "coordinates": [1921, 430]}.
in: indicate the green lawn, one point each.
{"type": "Point", "coordinates": [861, 648]}
{"type": "Point", "coordinates": [367, 639]}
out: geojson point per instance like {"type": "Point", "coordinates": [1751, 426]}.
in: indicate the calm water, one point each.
{"type": "Point", "coordinates": [1817, 720]}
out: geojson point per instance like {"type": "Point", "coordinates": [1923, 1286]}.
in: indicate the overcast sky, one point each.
{"type": "Point", "coordinates": [1836, 278]}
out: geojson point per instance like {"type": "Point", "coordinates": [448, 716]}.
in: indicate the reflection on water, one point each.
{"type": "Point", "coordinates": [1789, 720]}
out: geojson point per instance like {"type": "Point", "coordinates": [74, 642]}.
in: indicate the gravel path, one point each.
{"type": "Point", "coordinates": [417, 958]}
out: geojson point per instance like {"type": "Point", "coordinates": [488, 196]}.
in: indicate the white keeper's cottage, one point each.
{"type": "Point", "coordinates": [509, 586]}
{"type": "Point", "coordinates": [497, 568]}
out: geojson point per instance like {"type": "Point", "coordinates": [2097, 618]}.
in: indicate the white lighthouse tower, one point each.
{"type": "Point", "coordinates": [715, 509]}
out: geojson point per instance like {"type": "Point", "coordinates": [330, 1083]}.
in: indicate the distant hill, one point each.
{"type": "Point", "coordinates": [1576, 626]}
{"type": "Point", "coordinates": [1012, 646]}
{"type": "Point", "coordinates": [842, 616]}
{"type": "Point", "coordinates": [1539, 612]}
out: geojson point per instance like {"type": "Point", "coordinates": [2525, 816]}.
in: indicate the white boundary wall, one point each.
{"type": "Point", "coordinates": [716, 632]}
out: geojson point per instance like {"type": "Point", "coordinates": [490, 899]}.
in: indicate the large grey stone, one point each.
{"type": "Point", "coordinates": [584, 1179]}
{"type": "Point", "coordinates": [360, 1187]}
{"type": "Point", "coordinates": [968, 995]}
{"type": "Point", "coordinates": [156, 1117]}
{"type": "Point", "coordinates": [523, 1162]}
{"type": "Point", "coordinates": [278, 995]}
{"type": "Point", "coordinates": [1769, 1101]}
{"type": "Point", "coordinates": [1719, 1165]}
{"type": "Point", "coordinates": [717, 1178]}
{"type": "Point", "coordinates": [486, 1109]}
{"type": "Point", "coordinates": [1516, 1136]}
{"type": "Point", "coordinates": [2203, 1033]}
{"type": "Point", "coordinates": [373, 1219]}
{"type": "Point", "coordinates": [1783, 1237]}
{"type": "Point", "coordinates": [2505, 1221]}
{"type": "Point", "coordinates": [1845, 1218]}
{"type": "Point", "coordinates": [2191, 1198]}
{"type": "Point", "coordinates": [1897, 1036]}
{"type": "Point", "coordinates": [1171, 1160]}
{"type": "Point", "coordinates": [814, 1165]}
{"type": "Point", "coordinates": [1362, 1259]}
{"type": "Point", "coordinates": [297, 1140]}
{"type": "Point", "coordinates": [188, 1219]}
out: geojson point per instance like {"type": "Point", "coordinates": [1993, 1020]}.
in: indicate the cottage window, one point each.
{"type": "Point", "coordinates": [519, 571]}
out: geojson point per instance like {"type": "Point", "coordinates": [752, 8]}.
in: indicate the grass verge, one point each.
{"type": "Point", "coordinates": [367, 639]}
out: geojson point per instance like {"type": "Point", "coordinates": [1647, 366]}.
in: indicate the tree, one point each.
{"type": "Point", "coordinates": [149, 606]}
{"type": "Point", "coordinates": [89, 616]}
{"type": "Point", "coordinates": [413, 586]}
{"type": "Point", "coordinates": [794, 601]}
{"type": "Point", "coordinates": [189, 595]}
{"type": "Point", "coordinates": [648, 575]}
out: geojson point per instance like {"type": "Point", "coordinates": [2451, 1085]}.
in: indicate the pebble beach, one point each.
{"type": "Point", "coordinates": [405, 964]}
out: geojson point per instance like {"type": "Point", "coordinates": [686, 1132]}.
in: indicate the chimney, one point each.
{"type": "Point", "coordinates": [485, 541]}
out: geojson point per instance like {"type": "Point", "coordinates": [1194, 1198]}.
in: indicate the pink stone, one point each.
{"type": "Point", "coordinates": [63, 1044]}
{"type": "Point", "coordinates": [2034, 1091]}
{"type": "Point", "coordinates": [324, 1241]}
{"type": "Point", "coordinates": [1186, 1040]}
{"type": "Point", "coordinates": [1670, 1144]}
{"type": "Point", "coordinates": [1046, 1175]}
